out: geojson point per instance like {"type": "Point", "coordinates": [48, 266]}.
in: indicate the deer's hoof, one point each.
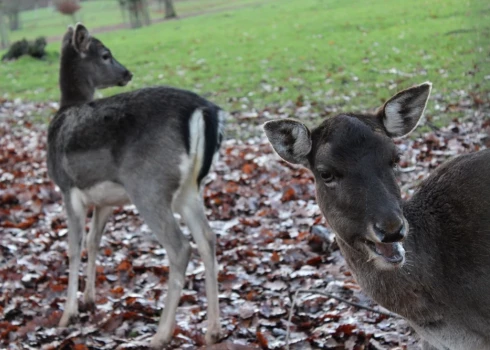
{"type": "Point", "coordinates": [212, 336]}
{"type": "Point", "coordinates": [68, 319]}
{"type": "Point", "coordinates": [88, 302]}
{"type": "Point", "coordinates": [158, 343]}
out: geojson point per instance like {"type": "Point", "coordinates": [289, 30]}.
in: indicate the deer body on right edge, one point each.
{"type": "Point", "coordinates": [427, 259]}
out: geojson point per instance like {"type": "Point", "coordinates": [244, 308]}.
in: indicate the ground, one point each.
{"type": "Point", "coordinates": [306, 59]}
{"type": "Point", "coordinates": [272, 241]}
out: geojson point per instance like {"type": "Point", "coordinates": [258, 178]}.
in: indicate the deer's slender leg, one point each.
{"type": "Point", "coordinates": [99, 219]}
{"type": "Point", "coordinates": [76, 213]}
{"type": "Point", "coordinates": [191, 207]}
{"type": "Point", "coordinates": [161, 221]}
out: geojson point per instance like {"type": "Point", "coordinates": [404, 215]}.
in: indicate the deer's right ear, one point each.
{"type": "Point", "coordinates": [290, 139]}
{"type": "Point", "coordinates": [81, 39]}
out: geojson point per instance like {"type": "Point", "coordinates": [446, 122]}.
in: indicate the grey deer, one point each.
{"type": "Point", "coordinates": [151, 147]}
{"type": "Point", "coordinates": [427, 259]}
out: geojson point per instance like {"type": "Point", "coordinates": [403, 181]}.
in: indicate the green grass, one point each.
{"type": "Point", "coordinates": [100, 13]}
{"type": "Point", "coordinates": [336, 52]}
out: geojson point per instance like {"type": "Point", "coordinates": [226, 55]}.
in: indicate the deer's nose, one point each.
{"type": "Point", "coordinates": [128, 75]}
{"type": "Point", "coordinates": [390, 230]}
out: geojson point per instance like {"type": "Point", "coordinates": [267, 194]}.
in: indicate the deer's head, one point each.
{"type": "Point", "coordinates": [352, 158]}
{"type": "Point", "coordinates": [85, 60]}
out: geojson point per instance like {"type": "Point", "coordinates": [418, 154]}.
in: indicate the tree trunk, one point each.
{"type": "Point", "coordinates": [14, 20]}
{"type": "Point", "coordinates": [134, 13]}
{"type": "Point", "coordinates": [4, 39]}
{"type": "Point", "coordinates": [123, 6]}
{"type": "Point", "coordinates": [169, 9]}
{"type": "Point", "coordinates": [145, 12]}
{"type": "Point", "coordinates": [138, 13]}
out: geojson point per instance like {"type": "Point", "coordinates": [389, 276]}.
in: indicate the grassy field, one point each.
{"type": "Point", "coordinates": [336, 52]}
{"type": "Point", "coordinates": [100, 13]}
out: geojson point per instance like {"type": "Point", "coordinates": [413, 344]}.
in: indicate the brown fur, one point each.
{"type": "Point", "coordinates": [442, 286]}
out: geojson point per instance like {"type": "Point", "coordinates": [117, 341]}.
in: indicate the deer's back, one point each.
{"type": "Point", "coordinates": [450, 252]}
{"type": "Point", "coordinates": [451, 209]}
{"type": "Point", "coordinates": [90, 143]}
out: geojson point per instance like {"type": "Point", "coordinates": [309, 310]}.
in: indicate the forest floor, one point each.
{"type": "Point", "coordinates": [272, 241]}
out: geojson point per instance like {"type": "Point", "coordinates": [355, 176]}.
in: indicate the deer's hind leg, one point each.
{"type": "Point", "coordinates": [76, 213]}
{"type": "Point", "coordinates": [190, 205]}
{"type": "Point", "coordinates": [156, 210]}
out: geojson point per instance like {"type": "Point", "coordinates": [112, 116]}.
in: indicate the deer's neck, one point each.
{"type": "Point", "coordinates": [73, 93]}
{"type": "Point", "coordinates": [76, 87]}
{"type": "Point", "coordinates": [402, 290]}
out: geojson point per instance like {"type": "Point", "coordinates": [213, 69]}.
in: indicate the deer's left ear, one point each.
{"type": "Point", "coordinates": [401, 113]}
{"type": "Point", "coordinates": [68, 37]}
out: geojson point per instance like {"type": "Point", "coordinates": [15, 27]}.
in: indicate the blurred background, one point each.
{"type": "Point", "coordinates": [256, 55]}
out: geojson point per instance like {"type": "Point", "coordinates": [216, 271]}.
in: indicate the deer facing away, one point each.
{"type": "Point", "coordinates": [427, 259]}
{"type": "Point", "coordinates": [151, 147]}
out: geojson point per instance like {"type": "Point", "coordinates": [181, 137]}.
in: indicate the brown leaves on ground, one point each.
{"type": "Point", "coordinates": [272, 241]}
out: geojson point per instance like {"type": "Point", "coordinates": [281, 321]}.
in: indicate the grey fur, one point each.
{"type": "Point", "coordinates": [150, 147]}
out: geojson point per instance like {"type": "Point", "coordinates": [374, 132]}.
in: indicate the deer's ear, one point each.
{"type": "Point", "coordinates": [81, 39]}
{"type": "Point", "coordinates": [68, 37]}
{"type": "Point", "coordinates": [290, 139]}
{"type": "Point", "coordinates": [401, 113]}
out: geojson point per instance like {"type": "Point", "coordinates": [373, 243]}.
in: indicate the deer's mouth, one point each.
{"type": "Point", "coordinates": [392, 253]}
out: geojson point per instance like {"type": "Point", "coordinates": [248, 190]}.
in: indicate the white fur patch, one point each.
{"type": "Point", "coordinates": [106, 193]}
{"type": "Point", "coordinates": [396, 123]}
{"type": "Point", "coordinates": [190, 164]}
{"type": "Point", "coordinates": [222, 116]}
{"type": "Point", "coordinates": [302, 145]}
{"type": "Point", "coordinates": [197, 140]}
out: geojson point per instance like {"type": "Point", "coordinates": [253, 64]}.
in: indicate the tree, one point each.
{"type": "Point", "coordinates": [4, 39]}
{"type": "Point", "coordinates": [122, 6]}
{"type": "Point", "coordinates": [12, 9]}
{"type": "Point", "coordinates": [139, 14]}
{"type": "Point", "coordinates": [169, 9]}
{"type": "Point", "coordinates": [68, 7]}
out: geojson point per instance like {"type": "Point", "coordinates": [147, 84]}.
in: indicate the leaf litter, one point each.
{"type": "Point", "coordinates": [272, 241]}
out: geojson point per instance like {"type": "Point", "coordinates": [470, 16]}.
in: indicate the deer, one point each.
{"type": "Point", "coordinates": [426, 259]}
{"type": "Point", "coordinates": [150, 147]}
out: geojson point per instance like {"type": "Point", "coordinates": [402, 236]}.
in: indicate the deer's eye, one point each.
{"type": "Point", "coordinates": [327, 176]}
